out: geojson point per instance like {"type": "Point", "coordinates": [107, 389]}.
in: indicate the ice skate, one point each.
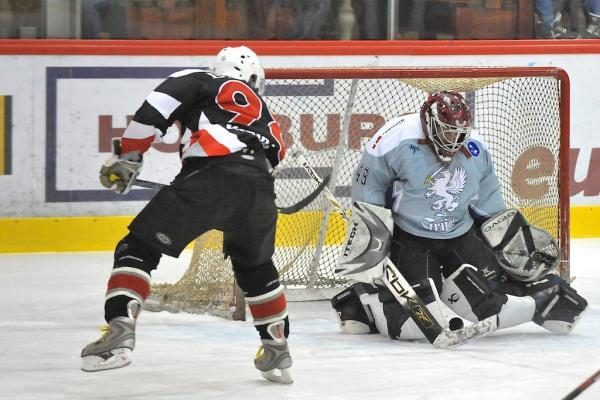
{"type": "Point", "coordinates": [273, 358]}
{"type": "Point", "coordinates": [113, 349]}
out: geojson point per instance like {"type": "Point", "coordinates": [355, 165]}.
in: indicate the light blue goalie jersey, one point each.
{"type": "Point", "coordinates": [429, 198]}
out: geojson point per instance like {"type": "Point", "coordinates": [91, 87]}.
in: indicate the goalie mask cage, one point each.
{"type": "Point", "coordinates": [327, 114]}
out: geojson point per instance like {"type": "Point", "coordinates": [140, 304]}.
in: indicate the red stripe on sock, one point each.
{"type": "Point", "coordinates": [269, 308]}
{"type": "Point", "coordinates": [129, 282]}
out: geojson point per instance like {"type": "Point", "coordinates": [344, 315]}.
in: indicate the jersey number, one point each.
{"type": "Point", "coordinates": [362, 174]}
{"type": "Point", "coordinates": [245, 114]}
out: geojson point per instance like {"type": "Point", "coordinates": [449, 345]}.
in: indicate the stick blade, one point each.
{"type": "Point", "coordinates": [307, 200]}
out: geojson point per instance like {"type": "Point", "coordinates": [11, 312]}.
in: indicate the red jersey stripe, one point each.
{"type": "Point", "coordinates": [209, 144]}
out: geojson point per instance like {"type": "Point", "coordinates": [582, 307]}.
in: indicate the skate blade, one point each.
{"type": "Point", "coordinates": [120, 358]}
{"type": "Point", "coordinates": [278, 376]}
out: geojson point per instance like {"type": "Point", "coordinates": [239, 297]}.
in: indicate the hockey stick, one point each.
{"type": "Point", "coordinates": [582, 386]}
{"type": "Point", "coordinates": [437, 335]}
{"type": "Point", "coordinates": [283, 210]}
{"type": "Point", "coordinates": [148, 184]}
{"type": "Point", "coordinates": [313, 174]}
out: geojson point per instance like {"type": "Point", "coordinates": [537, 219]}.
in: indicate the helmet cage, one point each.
{"type": "Point", "coordinates": [446, 120]}
{"type": "Point", "coordinates": [448, 137]}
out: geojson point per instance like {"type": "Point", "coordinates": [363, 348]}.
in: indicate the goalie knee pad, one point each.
{"type": "Point", "coordinates": [468, 294]}
{"type": "Point", "coordinates": [558, 305]}
{"type": "Point", "coordinates": [353, 311]}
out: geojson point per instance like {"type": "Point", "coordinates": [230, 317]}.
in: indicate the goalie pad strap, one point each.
{"type": "Point", "coordinates": [559, 306]}
{"type": "Point", "coordinates": [467, 294]}
{"type": "Point", "coordinates": [353, 312]}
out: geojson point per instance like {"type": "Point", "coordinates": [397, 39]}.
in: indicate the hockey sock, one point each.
{"type": "Point", "coordinates": [130, 277]}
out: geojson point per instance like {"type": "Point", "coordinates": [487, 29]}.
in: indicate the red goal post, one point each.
{"type": "Point", "coordinates": [327, 114]}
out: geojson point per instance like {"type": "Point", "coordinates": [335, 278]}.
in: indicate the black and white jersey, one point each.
{"type": "Point", "coordinates": [219, 115]}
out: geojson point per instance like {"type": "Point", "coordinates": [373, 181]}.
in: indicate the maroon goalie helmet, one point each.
{"type": "Point", "coordinates": [446, 121]}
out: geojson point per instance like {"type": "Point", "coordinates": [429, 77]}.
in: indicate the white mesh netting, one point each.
{"type": "Point", "coordinates": [327, 115]}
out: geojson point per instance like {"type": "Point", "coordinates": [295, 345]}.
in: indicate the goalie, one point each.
{"type": "Point", "coordinates": [452, 237]}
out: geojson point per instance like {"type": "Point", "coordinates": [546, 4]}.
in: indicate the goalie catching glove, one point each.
{"type": "Point", "coordinates": [118, 173]}
{"type": "Point", "coordinates": [525, 252]}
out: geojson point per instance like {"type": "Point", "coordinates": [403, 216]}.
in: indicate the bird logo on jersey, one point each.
{"type": "Point", "coordinates": [445, 187]}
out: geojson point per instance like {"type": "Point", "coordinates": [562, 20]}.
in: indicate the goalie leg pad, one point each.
{"type": "Point", "coordinates": [353, 309]}
{"type": "Point", "coordinates": [468, 294]}
{"type": "Point", "coordinates": [558, 306]}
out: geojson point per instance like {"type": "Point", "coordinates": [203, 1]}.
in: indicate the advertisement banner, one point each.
{"type": "Point", "coordinates": [59, 113]}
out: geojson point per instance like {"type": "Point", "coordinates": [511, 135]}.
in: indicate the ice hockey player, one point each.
{"type": "Point", "coordinates": [230, 145]}
{"type": "Point", "coordinates": [453, 238]}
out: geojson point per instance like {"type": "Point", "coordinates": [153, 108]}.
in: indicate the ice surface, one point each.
{"type": "Point", "coordinates": [51, 305]}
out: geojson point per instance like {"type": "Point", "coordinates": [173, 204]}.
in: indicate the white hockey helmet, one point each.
{"type": "Point", "coordinates": [243, 64]}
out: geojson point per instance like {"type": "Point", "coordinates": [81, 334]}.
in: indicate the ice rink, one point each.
{"type": "Point", "coordinates": [52, 306]}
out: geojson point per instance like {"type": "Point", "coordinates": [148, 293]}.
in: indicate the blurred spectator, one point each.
{"type": "Point", "coordinates": [593, 16]}
{"type": "Point", "coordinates": [161, 19]}
{"type": "Point", "coordinates": [583, 16]}
{"type": "Point", "coordinates": [104, 19]}
{"type": "Point", "coordinates": [549, 24]}
{"type": "Point", "coordinates": [279, 18]}
{"type": "Point", "coordinates": [371, 16]}
{"type": "Point", "coordinates": [571, 12]}
{"type": "Point", "coordinates": [26, 19]}
{"type": "Point", "coordinates": [309, 16]}
{"type": "Point", "coordinates": [287, 19]}
{"type": "Point", "coordinates": [416, 18]}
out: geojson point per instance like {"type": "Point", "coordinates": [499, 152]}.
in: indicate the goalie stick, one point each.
{"type": "Point", "coordinates": [582, 386]}
{"type": "Point", "coordinates": [283, 210]}
{"type": "Point", "coordinates": [403, 292]}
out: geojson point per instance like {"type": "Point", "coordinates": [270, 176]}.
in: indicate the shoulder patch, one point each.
{"type": "Point", "coordinates": [413, 148]}
{"type": "Point", "coordinates": [473, 148]}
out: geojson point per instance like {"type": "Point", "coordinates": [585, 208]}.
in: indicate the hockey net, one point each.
{"type": "Point", "coordinates": [328, 114]}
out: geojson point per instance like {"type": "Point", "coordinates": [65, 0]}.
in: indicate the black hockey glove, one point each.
{"type": "Point", "coordinates": [119, 172]}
